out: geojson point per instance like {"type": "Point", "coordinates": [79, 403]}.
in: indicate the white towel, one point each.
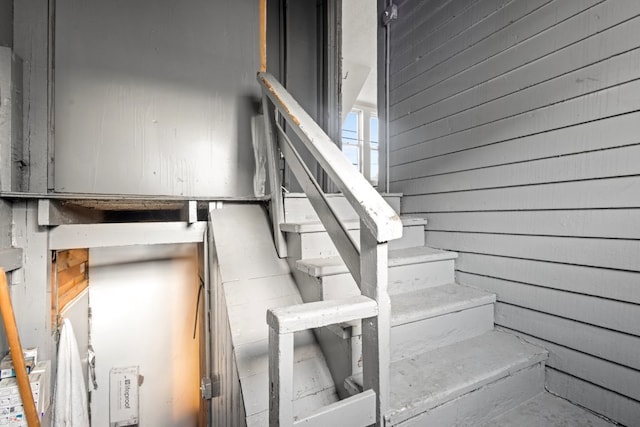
{"type": "Point", "coordinates": [70, 404]}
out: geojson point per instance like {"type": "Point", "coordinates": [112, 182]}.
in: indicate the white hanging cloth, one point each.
{"type": "Point", "coordinates": [70, 401]}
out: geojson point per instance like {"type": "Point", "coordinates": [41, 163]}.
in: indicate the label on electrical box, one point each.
{"type": "Point", "coordinates": [123, 396]}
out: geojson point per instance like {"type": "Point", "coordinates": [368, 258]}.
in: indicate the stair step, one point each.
{"type": "Point", "coordinates": [297, 207]}
{"type": "Point", "coordinates": [308, 239]}
{"type": "Point", "coordinates": [350, 224]}
{"type": "Point", "coordinates": [318, 267]}
{"type": "Point", "coordinates": [431, 302]}
{"type": "Point", "coordinates": [425, 381]}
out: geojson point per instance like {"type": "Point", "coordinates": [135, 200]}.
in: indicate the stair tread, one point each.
{"type": "Point", "coordinates": [350, 224]}
{"type": "Point", "coordinates": [424, 381]}
{"type": "Point", "coordinates": [304, 195]}
{"type": "Point", "coordinates": [327, 266]}
{"type": "Point", "coordinates": [436, 301]}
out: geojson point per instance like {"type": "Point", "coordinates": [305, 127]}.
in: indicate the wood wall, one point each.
{"type": "Point", "coordinates": [515, 129]}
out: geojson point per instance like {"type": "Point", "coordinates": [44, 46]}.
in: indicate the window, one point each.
{"type": "Point", "coordinates": [360, 141]}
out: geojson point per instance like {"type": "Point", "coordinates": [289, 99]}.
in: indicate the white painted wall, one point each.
{"type": "Point", "coordinates": [515, 133]}
{"type": "Point", "coordinates": [359, 44]}
{"type": "Point", "coordinates": [155, 97]}
{"type": "Point", "coordinates": [143, 301]}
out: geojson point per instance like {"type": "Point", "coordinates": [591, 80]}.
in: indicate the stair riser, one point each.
{"type": "Point", "coordinates": [319, 244]}
{"type": "Point", "coordinates": [299, 209]}
{"type": "Point", "coordinates": [428, 334]}
{"type": "Point", "coordinates": [480, 406]}
{"type": "Point", "coordinates": [402, 278]}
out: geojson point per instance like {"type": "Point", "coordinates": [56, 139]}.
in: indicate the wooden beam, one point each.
{"type": "Point", "coordinates": [56, 212]}
{"type": "Point", "coordinates": [263, 36]}
{"type": "Point", "coordinates": [280, 379]}
{"type": "Point", "coordinates": [109, 235]}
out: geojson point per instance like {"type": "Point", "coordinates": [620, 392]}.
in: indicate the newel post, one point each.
{"type": "Point", "coordinates": [375, 330]}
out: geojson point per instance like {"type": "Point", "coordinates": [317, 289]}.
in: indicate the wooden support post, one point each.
{"type": "Point", "coordinates": [376, 330]}
{"type": "Point", "coordinates": [24, 386]}
{"type": "Point", "coordinates": [277, 204]}
{"type": "Point", "coordinates": [263, 36]}
{"type": "Point", "coordinates": [280, 379]}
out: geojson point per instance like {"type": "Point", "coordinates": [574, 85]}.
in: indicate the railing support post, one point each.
{"type": "Point", "coordinates": [375, 330]}
{"type": "Point", "coordinates": [277, 204]}
{"type": "Point", "coordinates": [280, 379]}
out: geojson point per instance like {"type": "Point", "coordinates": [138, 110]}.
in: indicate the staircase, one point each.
{"type": "Point", "coordinates": [449, 365]}
{"type": "Point", "coordinates": [404, 343]}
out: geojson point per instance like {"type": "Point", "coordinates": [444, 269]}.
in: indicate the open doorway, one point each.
{"type": "Point", "coordinates": [359, 86]}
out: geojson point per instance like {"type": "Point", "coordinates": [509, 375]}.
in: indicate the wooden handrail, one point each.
{"type": "Point", "coordinates": [24, 386]}
{"type": "Point", "coordinates": [367, 262]}
{"type": "Point", "coordinates": [383, 222]}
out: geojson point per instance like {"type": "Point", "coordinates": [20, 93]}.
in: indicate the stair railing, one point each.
{"type": "Point", "coordinates": [366, 261]}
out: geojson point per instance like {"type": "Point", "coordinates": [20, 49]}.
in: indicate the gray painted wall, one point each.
{"type": "Point", "coordinates": [515, 132]}
{"type": "Point", "coordinates": [155, 97]}
{"type": "Point", "coordinates": [6, 23]}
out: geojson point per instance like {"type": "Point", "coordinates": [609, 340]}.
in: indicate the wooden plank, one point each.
{"type": "Point", "coordinates": [571, 85]}
{"type": "Point", "coordinates": [610, 132]}
{"type": "Point", "coordinates": [602, 223]}
{"type": "Point", "coordinates": [280, 379]}
{"type": "Point", "coordinates": [338, 232]}
{"type": "Point", "coordinates": [70, 273]}
{"type": "Point", "coordinates": [355, 411]}
{"type": "Point", "coordinates": [65, 287]}
{"type": "Point", "coordinates": [56, 212]}
{"type": "Point", "coordinates": [619, 408]}
{"type": "Point", "coordinates": [607, 253]}
{"type": "Point", "coordinates": [613, 284]}
{"type": "Point", "coordinates": [611, 193]}
{"type": "Point", "coordinates": [411, 18]}
{"type": "Point", "coordinates": [606, 103]}
{"type": "Point", "coordinates": [555, 25]}
{"type": "Point", "coordinates": [312, 315]}
{"type": "Point", "coordinates": [107, 235]}
{"type": "Point", "coordinates": [10, 259]}
{"type": "Point", "coordinates": [614, 315]}
{"type": "Point", "coordinates": [611, 376]}
{"type": "Point", "coordinates": [610, 345]}
{"type": "Point", "coordinates": [615, 162]}
{"type": "Point", "coordinates": [477, 21]}
{"type": "Point", "coordinates": [497, 26]}
{"type": "Point", "coordinates": [575, 59]}
{"type": "Point", "coordinates": [70, 258]}
{"type": "Point", "coordinates": [377, 215]}
{"type": "Point", "coordinates": [72, 293]}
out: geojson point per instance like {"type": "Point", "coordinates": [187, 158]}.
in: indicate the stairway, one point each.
{"type": "Point", "coordinates": [449, 365]}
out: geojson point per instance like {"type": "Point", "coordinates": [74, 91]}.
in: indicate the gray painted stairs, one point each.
{"type": "Point", "coordinates": [449, 366]}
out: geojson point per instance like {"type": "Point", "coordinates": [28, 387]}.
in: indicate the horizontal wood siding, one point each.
{"type": "Point", "coordinates": [515, 129]}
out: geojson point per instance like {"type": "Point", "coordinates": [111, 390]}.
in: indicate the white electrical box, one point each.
{"type": "Point", "coordinates": [123, 396]}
